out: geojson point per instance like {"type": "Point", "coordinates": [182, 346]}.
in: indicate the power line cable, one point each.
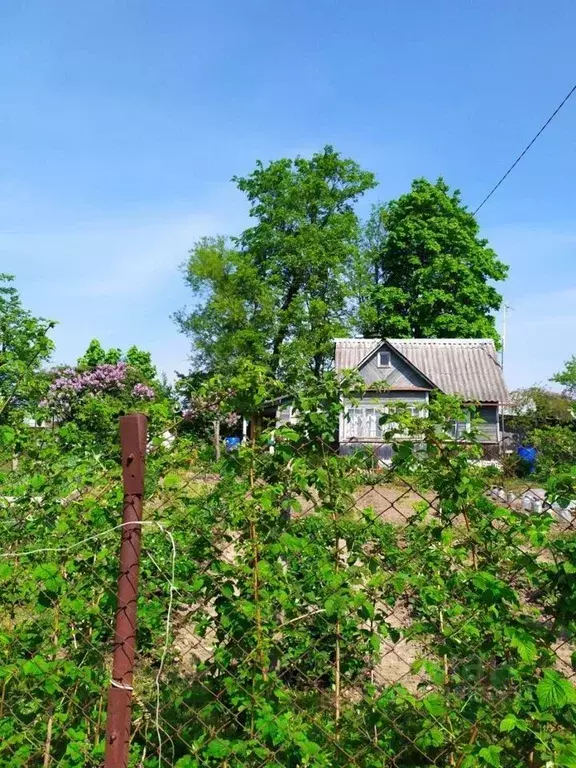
{"type": "Point", "coordinates": [521, 155]}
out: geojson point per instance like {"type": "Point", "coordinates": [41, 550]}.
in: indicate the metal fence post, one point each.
{"type": "Point", "coordinates": [133, 429]}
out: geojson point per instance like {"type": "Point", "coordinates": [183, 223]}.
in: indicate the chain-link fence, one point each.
{"type": "Point", "coordinates": [299, 604]}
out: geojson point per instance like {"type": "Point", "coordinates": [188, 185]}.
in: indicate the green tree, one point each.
{"type": "Point", "coordinates": [96, 355]}
{"type": "Point", "coordinates": [556, 449]}
{"type": "Point", "coordinates": [141, 361]}
{"type": "Point", "coordinates": [537, 408]}
{"type": "Point", "coordinates": [235, 311]}
{"type": "Point", "coordinates": [567, 378]}
{"type": "Point", "coordinates": [426, 272]}
{"type": "Point", "coordinates": [279, 293]}
{"type": "Point", "coordinates": [24, 346]}
{"type": "Point", "coordinates": [138, 359]}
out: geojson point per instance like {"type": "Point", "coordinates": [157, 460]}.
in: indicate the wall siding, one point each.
{"type": "Point", "coordinates": [488, 428]}
{"type": "Point", "coordinates": [380, 399]}
{"type": "Point", "coordinates": [399, 375]}
{"type": "Point", "coordinates": [401, 396]}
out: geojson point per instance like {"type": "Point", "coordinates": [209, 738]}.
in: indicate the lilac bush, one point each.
{"type": "Point", "coordinates": [143, 391]}
{"type": "Point", "coordinates": [212, 406]}
{"type": "Point", "coordinates": [103, 378]}
{"type": "Point", "coordinates": [110, 378]}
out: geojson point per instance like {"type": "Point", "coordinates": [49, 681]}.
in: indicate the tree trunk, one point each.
{"type": "Point", "coordinates": [217, 439]}
{"type": "Point", "coordinates": [318, 361]}
{"type": "Point", "coordinates": [291, 293]}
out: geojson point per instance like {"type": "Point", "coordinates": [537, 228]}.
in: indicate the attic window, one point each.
{"type": "Point", "coordinates": [383, 359]}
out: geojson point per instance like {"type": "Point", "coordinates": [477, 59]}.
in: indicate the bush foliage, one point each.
{"type": "Point", "coordinates": [291, 596]}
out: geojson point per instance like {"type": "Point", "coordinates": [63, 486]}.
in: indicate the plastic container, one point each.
{"type": "Point", "coordinates": [528, 455]}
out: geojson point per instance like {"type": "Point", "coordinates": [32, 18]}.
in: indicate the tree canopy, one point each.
{"type": "Point", "coordinates": [137, 359]}
{"type": "Point", "coordinates": [308, 271]}
{"type": "Point", "coordinates": [280, 292]}
{"type": "Point", "coordinates": [426, 271]}
{"type": "Point", "coordinates": [24, 346]}
{"type": "Point", "coordinates": [567, 378]}
{"type": "Point", "coordinates": [538, 408]}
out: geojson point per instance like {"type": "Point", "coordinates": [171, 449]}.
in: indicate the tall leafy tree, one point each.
{"type": "Point", "coordinates": [96, 355]}
{"type": "Point", "coordinates": [24, 346]}
{"type": "Point", "coordinates": [426, 272]}
{"type": "Point", "coordinates": [280, 292]}
{"type": "Point", "coordinates": [138, 359]}
{"type": "Point", "coordinates": [234, 310]}
{"type": "Point", "coordinates": [567, 378]}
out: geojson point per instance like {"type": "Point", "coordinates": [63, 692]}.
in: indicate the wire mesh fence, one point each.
{"type": "Point", "coordinates": [299, 603]}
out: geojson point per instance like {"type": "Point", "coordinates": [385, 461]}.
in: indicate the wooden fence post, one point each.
{"type": "Point", "coordinates": [133, 429]}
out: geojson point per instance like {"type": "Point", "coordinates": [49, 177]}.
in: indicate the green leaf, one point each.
{"type": "Point", "coordinates": [5, 570]}
{"type": "Point", "coordinates": [171, 482]}
{"type": "Point", "coordinates": [491, 755]}
{"type": "Point", "coordinates": [432, 737]}
{"type": "Point", "coordinates": [511, 723]}
{"type": "Point", "coordinates": [218, 748]}
{"type": "Point", "coordinates": [7, 435]}
{"type": "Point", "coordinates": [554, 691]}
{"type": "Point", "coordinates": [186, 762]}
{"type": "Point", "coordinates": [523, 643]}
{"type": "Point", "coordinates": [374, 642]}
{"type": "Point", "coordinates": [435, 705]}
{"type": "Point", "coordinates": [567, 756]}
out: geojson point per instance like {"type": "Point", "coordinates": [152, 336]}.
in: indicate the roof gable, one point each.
{"type": "Point", "coordinates": [401, 375]}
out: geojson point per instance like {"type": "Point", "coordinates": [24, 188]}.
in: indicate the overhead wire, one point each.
{"type": "Point", "coordinates": [526, 148]}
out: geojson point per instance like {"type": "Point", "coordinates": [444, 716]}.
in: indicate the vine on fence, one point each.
{"type": "Point", "coordinates": [294, 590]}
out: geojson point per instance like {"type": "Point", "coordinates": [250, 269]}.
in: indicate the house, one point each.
{"type": "Point", "coordinates": [409, 371]}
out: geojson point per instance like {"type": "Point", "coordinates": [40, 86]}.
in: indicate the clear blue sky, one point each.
{"type": "Point", "coordinates": [122, 121]}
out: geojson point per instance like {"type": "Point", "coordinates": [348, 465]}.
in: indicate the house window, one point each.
{"type": "Point", "coordinates": [459, 429]}
{"type": "Point", "coordinates": [384, 359]}
{"type": "Point", "coordinates": [363, 423]}
{"type": "Point", "coordinates": [417, 411]}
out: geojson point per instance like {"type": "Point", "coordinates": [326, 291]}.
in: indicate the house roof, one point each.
{"type": "Point", "coordinates": [465, 367]}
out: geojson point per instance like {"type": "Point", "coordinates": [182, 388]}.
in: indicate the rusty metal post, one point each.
{"type": "Point", "coordinates": [133, 430]}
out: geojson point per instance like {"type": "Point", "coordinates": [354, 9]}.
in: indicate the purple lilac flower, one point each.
{"type": "Point", "coordinates": [70, 383]}
{"type": "Point", "coordinates": [143, 391]}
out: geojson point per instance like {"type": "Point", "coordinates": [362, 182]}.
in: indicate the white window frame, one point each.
{"type": "Point", "coordinates": [389, 358]}
{"type": "Point", "coordinates": [417, 411]}
{"type": "Point", "coordinates": [456, 430]}
{"type": "Point", "coordinates": [362, 421]}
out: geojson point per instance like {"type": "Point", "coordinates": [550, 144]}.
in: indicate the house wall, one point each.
{"type": "Point", "coordinates": [379, 401]}
{"type": "Point", "coordinates": [488, 429]}
{"type": "Point", "coordinates": [284, 415]}
{"type": "Point", "coordinates": [398, 375]}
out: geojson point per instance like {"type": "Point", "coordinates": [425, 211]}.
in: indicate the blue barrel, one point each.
{"type": "Point", "coordinates": [529, 455]}
{"type": "Point", "coordinates": [232, 443]}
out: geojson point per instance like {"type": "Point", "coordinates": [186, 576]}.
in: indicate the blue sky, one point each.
{"type": "Point", "coordinates": [122, 121]}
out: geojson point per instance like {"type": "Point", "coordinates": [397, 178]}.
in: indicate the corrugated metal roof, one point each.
{"type": "Point", "coordinates": [351, 352]}
{"type": "Point", "coordinates": [465, 367]}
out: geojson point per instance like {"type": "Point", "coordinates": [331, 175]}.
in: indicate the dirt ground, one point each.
{"type": "Point", "coordinates": [391, 503]}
